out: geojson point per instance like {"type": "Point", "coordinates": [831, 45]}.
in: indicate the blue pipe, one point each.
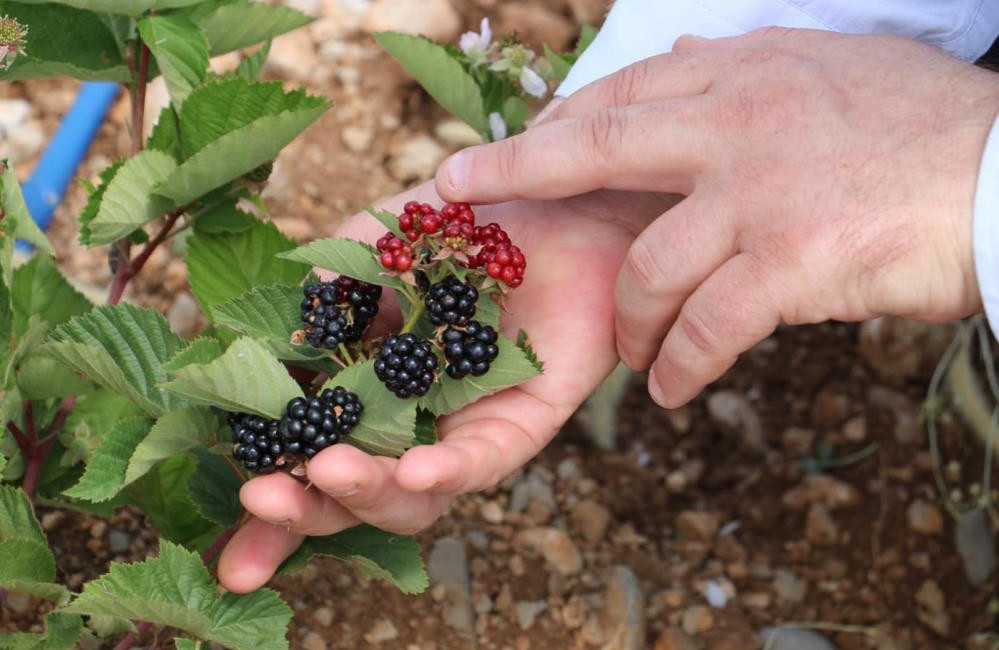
{"type": "Point", "coordinates": [55, 169]}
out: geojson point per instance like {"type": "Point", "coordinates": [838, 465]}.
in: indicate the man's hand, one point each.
{"type": "Point", "coordinates": [566, 305]}
{"type": "Point", "coordinates": [826, 176]}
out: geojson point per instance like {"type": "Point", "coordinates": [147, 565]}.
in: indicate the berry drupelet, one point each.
{"type": "Point", "coordinates": [503, 261]}
{"type": "Point", "coordinates": [451, 302]}
{"type": "Point", "coordinates": [406, 365]}
{"type": "Point", "coordinates": [339, 311]}
{"type": "Point", "coordinates": [394, 254]}
{"type": "Point", "coordinates": [469, 351]}
{"type": "Point", "coordinates": [258, 443]}
{"type": "Point", "coordinates": [309, 426]}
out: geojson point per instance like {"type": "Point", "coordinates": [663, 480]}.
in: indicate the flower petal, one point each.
{"type": "Point", "coordinates": [532, 82]}
{"type": "Point", "coordinates": [497, 126]}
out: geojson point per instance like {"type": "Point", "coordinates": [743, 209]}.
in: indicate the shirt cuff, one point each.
{"type": "Point", "coordinates": [985, 229]}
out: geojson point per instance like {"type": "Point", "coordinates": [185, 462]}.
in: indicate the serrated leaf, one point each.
{"type": "Point", "coordinates": [247, 378]}
{"type": "Point", "coordinates": [347, 256]}
{"type": "Point", "coordinates": [166, 134]}
{"type": "Point", "coordinates": [3, 463]}
{"type": "Point", "coordinates": [62, 631]}
{"type": "Point", "coordinates": [251, 67]}
{"type": "Point", "coordinates": [231, 126]}
{"type": "Point", "coordinates": [235, 25]}
{"type": "Point", "coordinates": [127, 7]}
{"type": "Point", "coordinates": [425, 431]}
{"type": "Point", "coordinates": [41, 377]}
{"type": "Point", "coordinates": [110, 626]}
{"type": "Point", "coordinates": [559, 63]}
{"type": "Point", "coordinates": [379, 554]}
{"type": "Point", "coordinates": [163, 496]}
{"type": "Point", "coordinates": [224, 218]}
{"type": "Point", "coordinates": [7, 339]}
{"type": "Point", "coordinates": [181, 52]}
{"type": "Point", "coordinates": [174, 433]}
{"type": "Point", "coordinates": [201, 351]}
{"type": "Point", "coordinates": [388, 219]}
{"type": "Point", "coordinates": [441, 76]}
{"type": "Point", "coordinates": [214, 488]}
{"type": "Point", "coordinates": [387, 424]}
{"type": "Point", "coordinates": [175, 589]}
{"type": "Point", "coordinates": [92, 419]}
{"type": "Point", "coordinates": [94, 199]}
{"type": "Point", "coordinates": [29, 342]}
{"type": "Point", "coordinates": [39, 288]}
{"type": "Point", "coordinates": [14, 205]}
{"type": "Point", "coordinates": [221, 267]}
{"type": "Point", "coordinates": [186, 644]}
{"type": "Point", "coordinates": [128, 201]}
{"type": "Point", "coordinates": [64, 42]}
{"type": "Point", "coordinates": [510, 368]}
{"type": "Point", "coordinates": [105, 473]}
{"type": "Point", "coordinates": [26, 564]}
{"type": "Point", "coordinates": [8, 225]}
{"type": "Point", "coordinates": [122, 348]}
{"type": "Point", "coordinates": [515, 112]}
{"type": "Point", "coordinates": [525, 346]}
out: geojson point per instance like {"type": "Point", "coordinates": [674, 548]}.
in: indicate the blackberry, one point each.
{"type": "Point", "coordinates": [451, 302]}
{"type": "Point", "coordinates": [469, 351]}
{"type": "Point", "coordinates": [258, 442]}
{"type": "Point", "coordinates": [339, 311]}
{"type": "Point", "coordinates": [361, 296]}
{"type": "Point", "coordinates": [406, 365]}
{"type": "Point", "coordinates": [309, 426]}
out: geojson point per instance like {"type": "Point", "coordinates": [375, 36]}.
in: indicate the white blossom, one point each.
{"type": "Point", "coordinates": [532, 83]}
{"type": "Point", "coordinates": [497, 126]}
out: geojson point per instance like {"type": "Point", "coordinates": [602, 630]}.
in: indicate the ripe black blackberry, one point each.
{"type": "Point", "coordinates": [451, 302]}
{"type": "Point", "coordinates": [469, 351]}
{"type": "Point", "coordinates": [406, 365]}
{"type": "Point", "coordinates": [309, 426]}
{"type": "Point", "coordinates": [258, 442]}
{"type": "Point", "coordinates": [361, 296]}
{"type": "Point", "coordinates": [339, 311]}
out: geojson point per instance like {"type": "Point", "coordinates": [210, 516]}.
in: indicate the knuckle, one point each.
{"type": "Point", "coordinates": [626, 85]}
{"type": "Point", "coordinates": [642, 263]}
{"type": "Point", "coordinates": [601, 136]}
{"type": "Point", "coordinates": [509, 158]}
{"type": "Point", "coordinates": [699, 332]}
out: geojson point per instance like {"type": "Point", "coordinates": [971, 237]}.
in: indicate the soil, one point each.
{"type": "Point", "coordinates": [711, 498]}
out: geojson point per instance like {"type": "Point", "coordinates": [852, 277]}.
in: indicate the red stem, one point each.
{"type": "Point", "coordinates": [29, 421]}
{"type": "Point", "coordinates": [40, 451]}
{"type": "Point", "coordinates": [139, 101]}
{"type": "Point", "coordinates": [130, 639]}
{"type": "Point", "coordinates": [22, 441]}
{"type": "Point", "coordinates": [129, 269]}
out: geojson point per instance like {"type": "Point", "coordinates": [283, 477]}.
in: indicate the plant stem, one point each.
{"type": "Point", "coordinates": [346, 354]}
{"type": "Point", "coordinates": [19, 436]}
{"type": "Point", "coordinates": [130, 639]}
{"type": "Point", "coordinates": [130, 268]}
{"type": "Point", "coordinates": [414, 316]}
{"type": "Point", "coordinates": [40, 450]}
{"type": "Point", "coordinates": [139, 99]}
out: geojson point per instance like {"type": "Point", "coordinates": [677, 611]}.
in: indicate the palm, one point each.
{"type": "Point", "coordinates": [565, 304]}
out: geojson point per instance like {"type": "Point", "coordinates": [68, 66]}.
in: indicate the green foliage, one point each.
{"type": "Point", "coordinates": [181, 52]}
{"type": "Point", "coordinates": [164, 497]}
{"type": "Point", "coordinates": [26, 564]}
{"type": "Point", "coordinates": [62, 631]}
{"type": "Point", "coordinates": [127, 202]}
{"type": "Point", "coordinates": [39, 289]}
{"type": "Point", "coordinates": [214, 488]}
{"type": "Point", "coordinates": [105, 474]}
{"type": "Point", "coordinates": [14, 206]}
{"type": "Point", "coordinates": [232, 25]}
{"type": "Point", "coordinates": [346, 256]}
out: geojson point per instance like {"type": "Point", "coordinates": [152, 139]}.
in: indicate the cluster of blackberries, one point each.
{"type": "Point", "coordinates": [406, 365]}
{"type": "Point", "coordinates": [339, 311]}
{"type": "Point", "coordinates": [307, 427]}
{"type": "Point", "coordinates": [451, 302]}
{"type": "Point", "coordinates": [469, 351]}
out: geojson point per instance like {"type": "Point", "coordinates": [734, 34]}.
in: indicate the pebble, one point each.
{"type": "Point", "coordinates": [697, 619]}
{"type": "Point", "coordinates": [532, 489]}
{"type": "Point", "coordinates": [794, 639]}
{"type": "Point", "coordinates": [830, 408]}
{"type": "Point", "coordinates": [674, 638]}
{"type": "Point", "coordinates": [820, 528]}
{"type": "Point", "coordinates": [435, 19]}
{"type": "Point", "coordinates": [908, 429]}
{"type": "Point", "coordinates": [184, 316]}
{"type": "Point", "coordinates": [447, 567]}
{"type": "Point", "coordinates": [789, 587]}
{"type": "Point", "coordinates": [535, 23]}
{"type": "Point", "coordinates": [732, 410]}
{"type": "Point", "coordinates": [855, 429]}
{"type": "Point", "coordinates": [591, 519]}
{"type": "Point", "coordinates": [527, 612]}
{"type": "Point", "coordinates": [294, 56]}
{"type": "Point", "coordinates": [51, 520]}
{"type": "Point", "coordinates": [18, 601]}
{"type": "Point", "coordinates": [383, 630]}
{"type": "Point", "coordinates": [23, 142]}
{"type": "Point", "coordinates": [119, 541]}
{"type": "Point", "coordinates": [976, 545]}
{"type": "Point", "coordinates": [13, 113]}
{"type": "Point", "coordinates": [824, 489]}
{"type": "Point", "coordinates": [698, 526]}
{"type": "Point", "coordinates": [899, 348]}
{"type": "Point", "coordinates": [560, 551]}
{"type": "Point", "coordinates": [930, 599]}
{"type": "Point", "coordinates": [924, 517]}
{"type": "Point", "coordinates": [323, 616]}
{"type": "Point", "coordinates": [416, 158]}
{"type": "Point", "coordinates": [357, 138]}
{"type": "Point", "coordinates": [492, 512]}
{"type": "Point", "coordinates": [98, 528]}
{"type": "Point", "coordinates": [715, 594]}
{"type": "Point", "coordinates": [624, 605]}
{"type": "Point", "coordinates": [588, 12]}
{"type": "Point", "coordinates": [312, 641]}
{"type": "Point", "coordinates": [798, 441]}
{"type": "Point", "coordinates": [676, 481]}
{"type": "Point", "coordinates": [568, 470]}
{"type": "Point", "coordinates": [592, 632]}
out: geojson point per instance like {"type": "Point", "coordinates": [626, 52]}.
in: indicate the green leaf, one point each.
{"type": "Point", "coordinates": [164, 498]}
{"type": "Point", "coordinates": [560, 64]}
{"type": "Point", "coordinates": [510, 368]}
{"type": "Point", "coordinates": [388, 219]}
{"type": "Point", "coordinates": [515, 112]}
{"type": "Point", "coordinates": [215, 489]}
{"type": "Point", "coordinates": [201, 351]}
{"type": "Point", "coordinates": [127, 7]}
{"type": "Point", "coordinates": [231, 126]}
{"type": "Point", "coordinates": [174, 433]}
{"type": "Point", "coordinates": [7, 340]}
{"type": "Point", "coordinates": [13, 205]}
{"type": "Point", "coordinates": [181, 52]}
{"type": "Point", "coordinates": [251, 67]}
{"type": "Point", "coordinates": [529, 352]}
{"type": "Point", "coordinates": [186, 644]}
{"type": "Point", "coordinates": [175, 589]}
{"type": "Point", "coordinates": [91, 421]}
{"type": "Point", "coordinates": [41, 377]}
{"type": "Point", "coordinates": [122, 348]}
{"type": "Point", "coordinates": [221, 267]}
{"type": "Point", "coordinates": [379, 554]}
{"type": "Point", "coordinates": [224, 218]}
{"type": "Point", "coordinates": [166, 134]}
{"type": "Point", "coordinates": [585, 39]}
{"type": "Point", "coordinates": [94, 198]}
{"type": "Point", "coordinates": [62, 631]}
{"type": "Point", "coordinates": [105, 474]}
{"type": "Point", "coordinates": [39, 288]}
{"type": "Point", "coordinates": [347, 256]}
{"type": "Point", "coordinates": [387, 424]}
{"type": "Point", "coordinates": [26, 564]}
{"type": "Point", "coordinates": [247, 378]}
{"type": "Point", "coordinates": [7, 227]}
{"type": "Point", "coordinates": [426, 427]}
{"type": "Point", "coordinates": [234, 25]}
{"type": "Point", "coordinates": [128, 202]}
{"type": "Point", "coordinates": [441, 76]}
{"type": "Point", "coordinates": [64, 42]}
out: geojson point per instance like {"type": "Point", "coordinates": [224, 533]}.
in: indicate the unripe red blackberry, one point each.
{"type": "Point", "coordinates": [394, 254]}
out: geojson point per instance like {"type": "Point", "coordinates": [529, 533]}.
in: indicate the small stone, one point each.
{"type": "Point", "coordinates": [756, 600]}
{"type": "Point", "coordinates": [383, 630]}
{"type": "Point", "coordinates": [820, 528]}
{"type": "Point", "coordinates": [456, 133]}
{"type": "Point", "coordinates": [830, 408]}
{"type": "Point", "coordinates": [184, 316]}
{"type": "Point", "coordinates": [435, 19]}
{"type": "Point", "coordinates": [855, 429]}
{"type": "Point", "coordinates": [824, 489]}
{"type": "Point", "coordinates": [294, 56]}
{"type": "Point", "coordinates": [175, 276]}
{"type": "Point", "coordinates": [13, 113]}
{"type": "Point", "coordinates": [535, 23]}
{"type": "Point", "coordinates": [527, 612]}
{"type": "Point", "coordinates": [789, 587]}
{"type": "Point", "coordinates": [676, 481]}
{"type": "Point", "coordinates": [19, 602]}
{"type": "Point", "coordinates": [794, 639]}
{"type": "Point", "coordinates": [416, 158]}
{"type": "Point", "coordinates": [592, 632]}
{"type": "Point", "coordinates": [492, 512]}
{"type": "Point", "coordinates": [483, 604]}
{"type": "Point", "coordinates": [798, 441]}
{"type": "Point", "coordinates": [591, 519]}
{"type": "Point", "coordinates": [924, 518]}
{"type": "Point", "coordinates": [51, 520]}
{"type": "Point", "coordinates": [976, 545]}
{"type": "Point", "coordinates": [323, 615]}
{"type": "Point", "coordinates": [624, 605]}
{"type": "Point", "coordinates": [574, 613]}
{"type": "Point", "coordinates": [696, 619]}
{"type": "Point", "coordinates": [588, 12]}
{"type": "Point", "coordinates": [908, 428]}
{"type": "Point", "coordinates": [24, 142]}
{"type": "Point", "coordinates": [98, 528]}
{"type": "Point", "coordinates": [357, 138]}
{"type": "Point", "coordinates": [900, 348]}
{"type": "Point", "coordinates": [732, 410]}
{"type": "Point", "coordinates": [447, 567]}
{"type": "Point", "coordinates": [560, 551]}
{"type": "Point", "coordinates": [674, 639]}
{"type": "Point", "coordinates": [679, 419]}
{"type": "Point", "coordinates": [932, 610]}
{"type": "Point", "coordinates": [312, 641]}
{"type": "Point", "coordinates": [567, 470]}
{"type": "Point", "coordinates": [698, 526]}
{"type": "Point", "coordinates": [119, 541]}
{"type": "Point", "coordinates": [716, 593]}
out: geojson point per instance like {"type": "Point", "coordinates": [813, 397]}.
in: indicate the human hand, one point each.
{"type": "Point", "coordinates": [566, 304]}
{"type": "Point", "coordinates": [827, 177]}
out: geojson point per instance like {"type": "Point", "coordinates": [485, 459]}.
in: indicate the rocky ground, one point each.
{"type": "Point", "coordinates": [706, 526]}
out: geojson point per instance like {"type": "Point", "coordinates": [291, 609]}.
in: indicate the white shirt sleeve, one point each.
{"type": "Point", "coordinates": [985, 231]}
{"type": "Point", "coordinates": [637, 29]}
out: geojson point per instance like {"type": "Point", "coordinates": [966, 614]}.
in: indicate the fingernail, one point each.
{"type": "Point", "coordinates": [456, 169]}
{"type": "Point", "coordinates": [280, 523]}
{"type": "Point", "coordinates": [655, 390]}
{"type": "Point", "coordinates": [693, 37]}
{"type": "Point", "coordinates": [350, 490]}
